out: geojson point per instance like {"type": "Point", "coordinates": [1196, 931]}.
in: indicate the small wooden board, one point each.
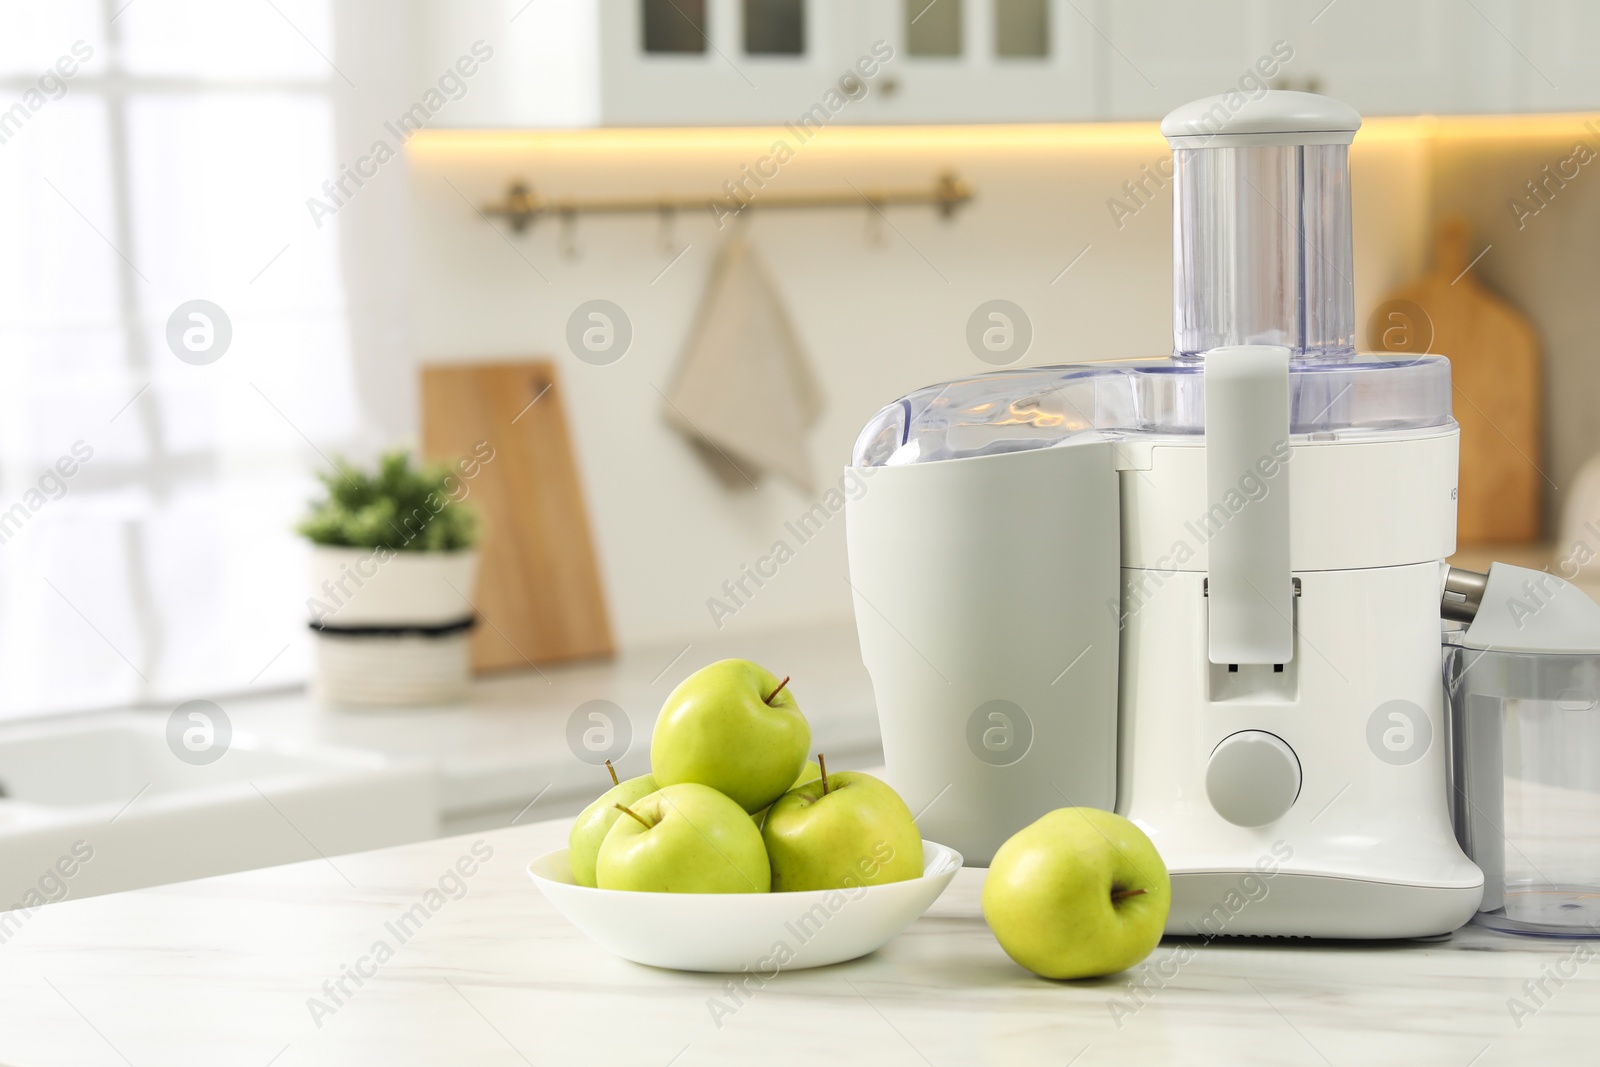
{"type": "Point", "coordinates": [538, 596]}
{"type": "Point", "coordinates": [1494, 363]}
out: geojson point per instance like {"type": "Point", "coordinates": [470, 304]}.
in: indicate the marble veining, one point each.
{"type": "Point", "coordinates": [284, 967]}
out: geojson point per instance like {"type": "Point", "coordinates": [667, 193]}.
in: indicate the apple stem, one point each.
{"type": "Point", "coordinates": [1123, 894]}
{"type": "Point", "coordinates": [778, 690]}
{"type": "Point", "coordinates": [629, 811]}
{"type": "Point", "coordinates": [822, 765]}
{"type": "Point", "coordinates": [613, 771]}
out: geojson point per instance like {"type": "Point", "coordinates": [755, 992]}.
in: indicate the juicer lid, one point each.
{"type": "Point", "coordinates": [1361, 398]}
{"type": "Point", "coordinates": [1271, 117]}
{"type": "Point", "coordinates": [1531, 611]}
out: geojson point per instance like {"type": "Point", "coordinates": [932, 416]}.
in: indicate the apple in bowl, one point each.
{"type": "Point", "coordinates": [589, 829]}
{"type": "Point", "coordinates": [839, 831]}
{"type": "Point", "coordinates": [733, 726]}
{"type": "Point", "coordinates": [685, 838]}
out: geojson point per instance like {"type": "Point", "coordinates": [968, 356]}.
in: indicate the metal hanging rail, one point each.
{"type": "Point", "coordinates": [524, 206]}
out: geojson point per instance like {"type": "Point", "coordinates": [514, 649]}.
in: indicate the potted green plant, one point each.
{"type": "Point", "coordinates": [392, 568]}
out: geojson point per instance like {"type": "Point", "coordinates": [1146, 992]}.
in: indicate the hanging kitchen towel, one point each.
{"type": "Point", "coordinates": [744, 392]}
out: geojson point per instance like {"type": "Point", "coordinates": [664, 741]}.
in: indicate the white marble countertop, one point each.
{"type": "Point", "coordinates": [222, 971]}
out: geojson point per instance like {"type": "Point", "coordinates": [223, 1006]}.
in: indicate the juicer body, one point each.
{"type": "Point", "coordinates": [1341, 751]}
{"type": "Point", "coordinates": [1035, 625]}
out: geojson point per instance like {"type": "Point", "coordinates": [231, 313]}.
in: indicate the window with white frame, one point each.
{"type": "Point", "coordinates": [154, 450]}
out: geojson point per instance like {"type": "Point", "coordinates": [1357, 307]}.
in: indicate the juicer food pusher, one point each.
{"type": "Point", "coordinates": [1203, 591]}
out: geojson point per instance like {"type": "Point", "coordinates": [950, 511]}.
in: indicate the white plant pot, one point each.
{"type": "Point", "coordinates": [391, 625]}
{"type": "Point", "coordinates": [369, 587]}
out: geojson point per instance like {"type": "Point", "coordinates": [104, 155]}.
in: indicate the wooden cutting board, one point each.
{"type": "Point", "coordinates": [538, 597]}
{"type": "Point", "coordinates": [1495, 368]}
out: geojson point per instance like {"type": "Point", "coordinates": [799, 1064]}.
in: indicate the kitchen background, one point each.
{"type": "Point", "coordinates": [325, 174]}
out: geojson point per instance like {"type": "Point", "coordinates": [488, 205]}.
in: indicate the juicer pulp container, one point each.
{"type": "Point", "coordinates": [1526, 745]}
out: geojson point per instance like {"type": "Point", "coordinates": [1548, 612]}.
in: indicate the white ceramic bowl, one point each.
{"type": "Point", "coordinates": [735, 931]}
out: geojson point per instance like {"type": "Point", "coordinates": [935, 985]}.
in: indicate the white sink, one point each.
{"type": "Point", "coordinates": [102, 804]}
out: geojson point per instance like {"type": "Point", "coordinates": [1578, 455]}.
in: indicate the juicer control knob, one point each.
{"type": "Point", "coordinates": [1253, 778]}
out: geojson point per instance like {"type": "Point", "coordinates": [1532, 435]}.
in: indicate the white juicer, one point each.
{"type": "Point", "coordinates": [1203, 591]}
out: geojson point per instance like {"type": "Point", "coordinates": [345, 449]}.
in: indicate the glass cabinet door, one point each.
{"type": "Point", "coordinates": [980, 60]}
{"type": "Point", "coordinates": [774, 27]}
{"type": "Point", "coordinates": [673, 27]}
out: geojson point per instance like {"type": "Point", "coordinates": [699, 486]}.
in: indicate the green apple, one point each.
{"type": "Point", "coordinates": [685, 838]}
{"type": "Point", "coordinates": [1078, 894]}
{"type": "Point", "coordinates": [843, 830]}
{"type": "Point", "coordinates": [583, 843]}
{"type": "Point", "coordinates": [807, 773]}
{"type": "Point", "coordinates": [735, 727]}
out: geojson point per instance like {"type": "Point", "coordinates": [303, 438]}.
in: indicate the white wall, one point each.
{"type": "Point", "coordinates": [877, 319]}
{"type": "Point", "coordinates": [543, 69]}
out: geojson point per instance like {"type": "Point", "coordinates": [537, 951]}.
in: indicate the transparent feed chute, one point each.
{"type": "Point", "coordinates": [1261, 256]}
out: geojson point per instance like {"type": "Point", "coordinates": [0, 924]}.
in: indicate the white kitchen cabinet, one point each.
{"type": "Point", "coordinates": [1418, 57]}
{"type": "Point", "coordinates": [929, 61]}
{"type": "Point", "coordinates": [716, 79]}
{"type": "Point", "coordinates": [978, 60]}
{"type": "Point", "coordinates": [723, 62]}
{"type": "Point", "coordinates": [1162, 53]}
{"type": "Point", "coordinates": [1553, 66]}
{"type": "Point", "coordinates": [1380, 56]}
